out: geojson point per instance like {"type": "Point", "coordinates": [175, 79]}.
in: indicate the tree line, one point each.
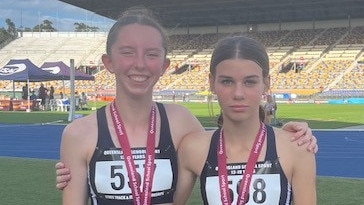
{"type": "Point", "coordinates": [11, 31]}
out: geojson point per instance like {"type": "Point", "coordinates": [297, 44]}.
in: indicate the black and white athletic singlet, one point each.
{"type": "Point", "coordinates": [107, 174]}
{"type": "Point", "coordinates": [269, 185]}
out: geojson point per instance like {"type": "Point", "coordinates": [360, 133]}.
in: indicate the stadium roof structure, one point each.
{"type": "Point", "coordinates": [192, 13]}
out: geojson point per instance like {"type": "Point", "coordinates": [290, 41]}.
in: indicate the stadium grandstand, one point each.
{"type": "Point", "coordinates": [316, 48]}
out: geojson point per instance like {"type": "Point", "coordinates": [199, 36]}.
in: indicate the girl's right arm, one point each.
{"type": "Point", "coordinates": [73, 155]}
{"type": "Point", "coordinates": [304, 178]}
{"type": "Point", "coordinates": [186, 177]}
{"type": "Point", "coordinates": [192, 153]}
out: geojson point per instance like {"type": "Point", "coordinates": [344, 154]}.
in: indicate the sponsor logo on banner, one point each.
{"type": "Point", "coordinates": [54, 69]}
{"type": "Point", "coordinates": [11, 69]}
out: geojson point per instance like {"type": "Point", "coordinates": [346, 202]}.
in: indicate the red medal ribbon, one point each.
{"type": "Point", "coordinates": [139, 198]}
{"type": "Point", "coordinates": [222, 171]}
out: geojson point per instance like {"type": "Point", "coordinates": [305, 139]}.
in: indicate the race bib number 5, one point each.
{"type": "Point", "coordinates": [111, 177]}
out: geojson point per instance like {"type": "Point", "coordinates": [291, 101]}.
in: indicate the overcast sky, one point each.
{"type": "Point", "coordinates": [28, 13]}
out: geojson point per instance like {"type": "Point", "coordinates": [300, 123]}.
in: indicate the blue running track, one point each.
{"type": "Point", "coordinates": [341, 152]}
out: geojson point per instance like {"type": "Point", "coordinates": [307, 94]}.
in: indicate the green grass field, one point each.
{"type": "Point", "coordinates": [319, 116]}
{"type": "Point", "coordinates": [32, 181]}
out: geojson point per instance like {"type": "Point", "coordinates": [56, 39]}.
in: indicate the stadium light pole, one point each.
{"type": "Point", "coordinates": [39, 22]}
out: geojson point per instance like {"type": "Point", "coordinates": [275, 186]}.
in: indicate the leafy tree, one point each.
{"type": "Point", "coordinates": [9, 33]}
{"type": "Point", "coordinates": [81, 27]}
{"type": "Point", "coordinates": [11, 30]}
{"type": "Point", "coordinates": [3, 35]}
{"type": "Point", "coordinates": [45, 26]}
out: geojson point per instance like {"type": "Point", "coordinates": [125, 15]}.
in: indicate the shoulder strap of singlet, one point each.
{"type": "Point", "coordinates": [165, 135]}
{"type": "Point", "coordinates": [103, 129]}
{"type": "Point", "coordinates": [212, 157]}
{"type": "Point", "coordinates": [211, 161]}
{"type": "Point", "coordinates": [166, 145]}
{"type": "Point", "coordinates": [271, 153]}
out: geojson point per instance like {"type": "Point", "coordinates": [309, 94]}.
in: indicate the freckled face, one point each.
{"type": "Point", "coordinates": [239, 85]}
{"type": "Point", "coordinates": [137, 59]}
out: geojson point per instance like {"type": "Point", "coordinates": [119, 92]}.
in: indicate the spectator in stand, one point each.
{"type": "Point", "coordinates": [42, 94]}
{"type": "Point", "coordinates": [25, 91]}
{"type": "Point", "coordinates": [174, 97]}
{"type": "Point", "coordinates": [33, 96]}
{"type": "Point", "coordinates": [270, 108]}
{"type": "Point", "coordinates": [77, 100]}
{"type": "Point", "coordinates": [83, 101]}
{"type": "Point", "coordinates": [51, 93]}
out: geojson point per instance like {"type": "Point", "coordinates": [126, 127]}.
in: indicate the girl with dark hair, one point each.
{"type": "Point", "coordinates": [244, 161]}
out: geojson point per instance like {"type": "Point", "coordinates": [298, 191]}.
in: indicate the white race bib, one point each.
{"type": "Point", "coordinates": [111, 177]}
{"type": "Point", "coordinates": [264, 189]}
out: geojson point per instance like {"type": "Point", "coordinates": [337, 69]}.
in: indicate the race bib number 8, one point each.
{"type": "Point", "coordinates": [111, 177]}
{"type": "Point", "coordinates": [264, 189]}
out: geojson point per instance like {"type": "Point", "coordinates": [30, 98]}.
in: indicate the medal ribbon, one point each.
{"type": "Point", "coordinates": [222, 171]}
{"type": "Point", "coordinates": [139, 198]}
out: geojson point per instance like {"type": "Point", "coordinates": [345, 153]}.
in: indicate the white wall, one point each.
{"type": "Point", "coordinates": [64, 34]}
